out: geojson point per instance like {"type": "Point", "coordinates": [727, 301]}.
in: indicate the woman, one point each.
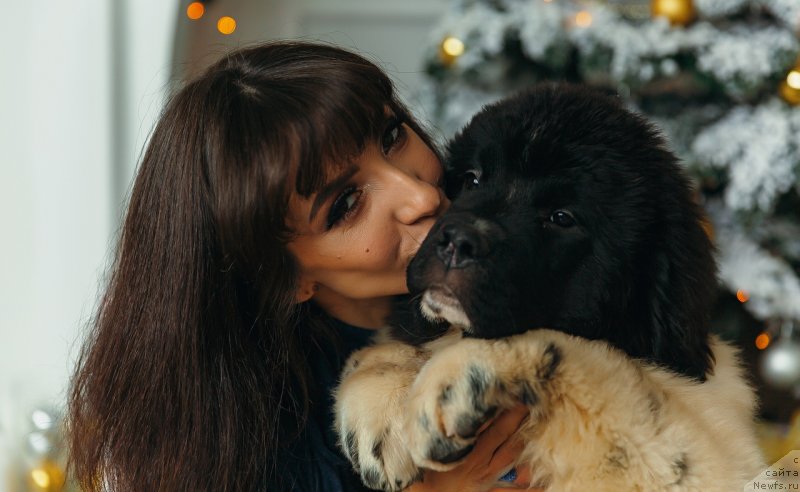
{"type": "Point", "coordinates": [280, 198]}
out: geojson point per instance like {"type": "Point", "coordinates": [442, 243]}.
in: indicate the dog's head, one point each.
{"type": "Point", "coordinates": [570, 213]}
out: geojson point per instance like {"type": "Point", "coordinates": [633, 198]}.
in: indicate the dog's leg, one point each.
{"type": "Point", "coordinates": [598, 421]}
{"type": "Point", "coordinates": [370, 401]}
{"type": "Point", "coordinates": [463, 386]}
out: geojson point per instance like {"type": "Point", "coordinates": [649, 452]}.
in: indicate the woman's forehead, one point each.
{"type": "Point", "coordinates": [334, 154]}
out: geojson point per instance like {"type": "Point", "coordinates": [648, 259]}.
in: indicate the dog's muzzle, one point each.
{"type": "Point", "coordinates": [439, 303]}
{"type": "Point", "coordinates": [459, 244]}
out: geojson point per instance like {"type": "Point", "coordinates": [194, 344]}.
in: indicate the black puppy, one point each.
{"type": "Point", "coordinates": [571, 222]}
{"type": "Point", "coordinates": [569, 213]}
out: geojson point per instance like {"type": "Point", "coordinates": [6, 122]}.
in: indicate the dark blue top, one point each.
{"type": "Point", "coordinates": [315, 463]}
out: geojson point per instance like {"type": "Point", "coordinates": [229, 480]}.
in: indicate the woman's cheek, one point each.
{"type": "Point", "coordinates": [379, 243]}
{"type": "Point", "coordinates": [381, 253]}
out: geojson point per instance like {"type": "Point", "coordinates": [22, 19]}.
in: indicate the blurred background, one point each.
{"type": "Point", "coordinates": [84, 81]}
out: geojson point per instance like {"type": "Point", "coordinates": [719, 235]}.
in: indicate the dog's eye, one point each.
{"type": "Point", "coordinates": [562, 218]}
{"type": "Point", "coordinates": [472, 179]}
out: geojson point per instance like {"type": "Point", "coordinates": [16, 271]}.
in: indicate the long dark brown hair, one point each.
{"type": "Point", "coordinates": [194, 354]}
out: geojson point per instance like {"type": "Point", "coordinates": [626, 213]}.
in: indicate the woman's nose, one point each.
{"type": "Point", "coordinates": [416, 198]}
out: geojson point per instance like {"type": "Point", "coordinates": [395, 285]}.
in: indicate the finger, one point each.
{"type": "Point", "coordinates": [518, 412]}
{"type": "Point", "coordinates": [506, 454]}
{"type": "Point", "coordinates": [501, 429]}
{"type": "Point", "coordinates": [486, 424]}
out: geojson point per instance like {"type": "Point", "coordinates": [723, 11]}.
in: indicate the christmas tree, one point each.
{"type": "Point", "coordinates": [722, 80]}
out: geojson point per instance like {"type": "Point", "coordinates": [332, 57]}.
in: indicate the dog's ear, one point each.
{"type": "Point", "coordinates": [683, 292]}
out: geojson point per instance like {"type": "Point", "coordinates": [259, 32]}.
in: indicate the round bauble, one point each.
{"type": "Point", "coordinates": [679, 12]}
{"type": "Point", "coordinates": [780, 364]}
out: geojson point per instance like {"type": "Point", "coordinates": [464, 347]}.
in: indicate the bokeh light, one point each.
{"type": "Point", "coordinates": [742, 296]}
{"type": "Point", "coordinates": [762, 341]}
{"type": "Point", "coordinates": [226, 25]}
{"type": "Point", "coordinates": [195, 10]}
{"type": "Point", "coordinates": [583, 19]}
{"type": "Point", "coordinates": [40, 478]}
{"type": "Point", "coordinates": [453, 46]}
{"type": "Point", "coordinates": [793, 79]}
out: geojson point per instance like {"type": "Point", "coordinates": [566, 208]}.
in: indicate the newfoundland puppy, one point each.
{"type": "Point", "coordinates": [572, 273]}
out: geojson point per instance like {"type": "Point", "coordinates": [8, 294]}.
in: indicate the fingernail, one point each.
{"type": "Point", "coordinates": [510, 476]}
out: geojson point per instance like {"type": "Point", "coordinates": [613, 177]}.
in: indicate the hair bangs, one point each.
{"type": "Point", "coordinates": [337, 125]}
{"type": "Point", "coordinates": [302, 143]}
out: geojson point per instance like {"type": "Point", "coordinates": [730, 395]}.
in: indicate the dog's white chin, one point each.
{"type": "Point", "coordinates": [439, 303]}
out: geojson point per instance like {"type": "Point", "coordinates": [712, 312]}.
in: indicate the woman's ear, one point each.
{"type": "Point", "coordinates": [305, 290]}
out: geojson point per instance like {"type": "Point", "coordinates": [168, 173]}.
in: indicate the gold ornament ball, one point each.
{"type": "Point", "coordinates": [450, 49]}
{"type": "Point", "coordinates": [790, 94]}
{"type": "Point", "coordinates": [780, 364]}
{"type": "Point", "coordinates": [790, 87]}
{"type": "Point", "coordinates": [47, 477]}
{"type": "Point", "coordinates": [679, 12]}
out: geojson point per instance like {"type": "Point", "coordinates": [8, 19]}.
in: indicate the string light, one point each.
{"type": "Point", "coordinates": [583, 19]}
{"type": "Point", "coordinates": [450, 49]}
{"type": "Point", "coordinates": [195, 10]}
{"type": "Point", "coordinates": [742, 296]}
{"type": "Point", "coordinates": [762, 340]}
{"type": "Point", "coordinates": [226, 25]}
{"type": "Point", "coordinates": [453, 46]}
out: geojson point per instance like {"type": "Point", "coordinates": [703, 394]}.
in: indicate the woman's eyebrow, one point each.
{"type": "Point", "coordinates": [331, 188]}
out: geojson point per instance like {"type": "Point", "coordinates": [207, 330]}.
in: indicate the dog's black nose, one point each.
{"type": "Point", "coordinates": [460, 245]}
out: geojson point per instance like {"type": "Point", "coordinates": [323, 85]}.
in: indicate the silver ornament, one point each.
{"type": "Point", "coordinates": [780, 364]}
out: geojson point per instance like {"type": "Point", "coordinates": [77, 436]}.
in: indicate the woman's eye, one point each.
{"type": "Point", "coordinates": [344, 206]}
{"type": "Point", "coordinates": [472, 179]}
{"type": "Point", "coordinates": [393, 135]}
{"type": "Point", "coordinates": [562, 218]}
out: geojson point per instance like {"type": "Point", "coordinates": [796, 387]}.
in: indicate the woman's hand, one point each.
{"type": "Point", "coordinates": [495, 451]}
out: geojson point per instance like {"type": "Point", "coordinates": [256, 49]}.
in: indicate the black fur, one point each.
{"type": "Point", "coordinates": [352, 448]}
{"type": "Point", "coordinates": [446, 451]}
{"type": "Point", "coordinates": [409, 326]}
{"type": "Point", "coordinates": [681, 468]}
{"type": "Point", "coordinates": [635, 269]}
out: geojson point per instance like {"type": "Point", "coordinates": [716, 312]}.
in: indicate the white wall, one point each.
{"type": "Point", "coordinates": [68, 136]}
{"type": "Point", "coordinates": [54, 187]}
{"type": "Point", "coordinates": [390, 33]}
{"type": "Point", "coordinates": [144, 45]}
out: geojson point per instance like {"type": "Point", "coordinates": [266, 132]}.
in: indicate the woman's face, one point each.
{"type": "Point", "coordinates": [356, 236]}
